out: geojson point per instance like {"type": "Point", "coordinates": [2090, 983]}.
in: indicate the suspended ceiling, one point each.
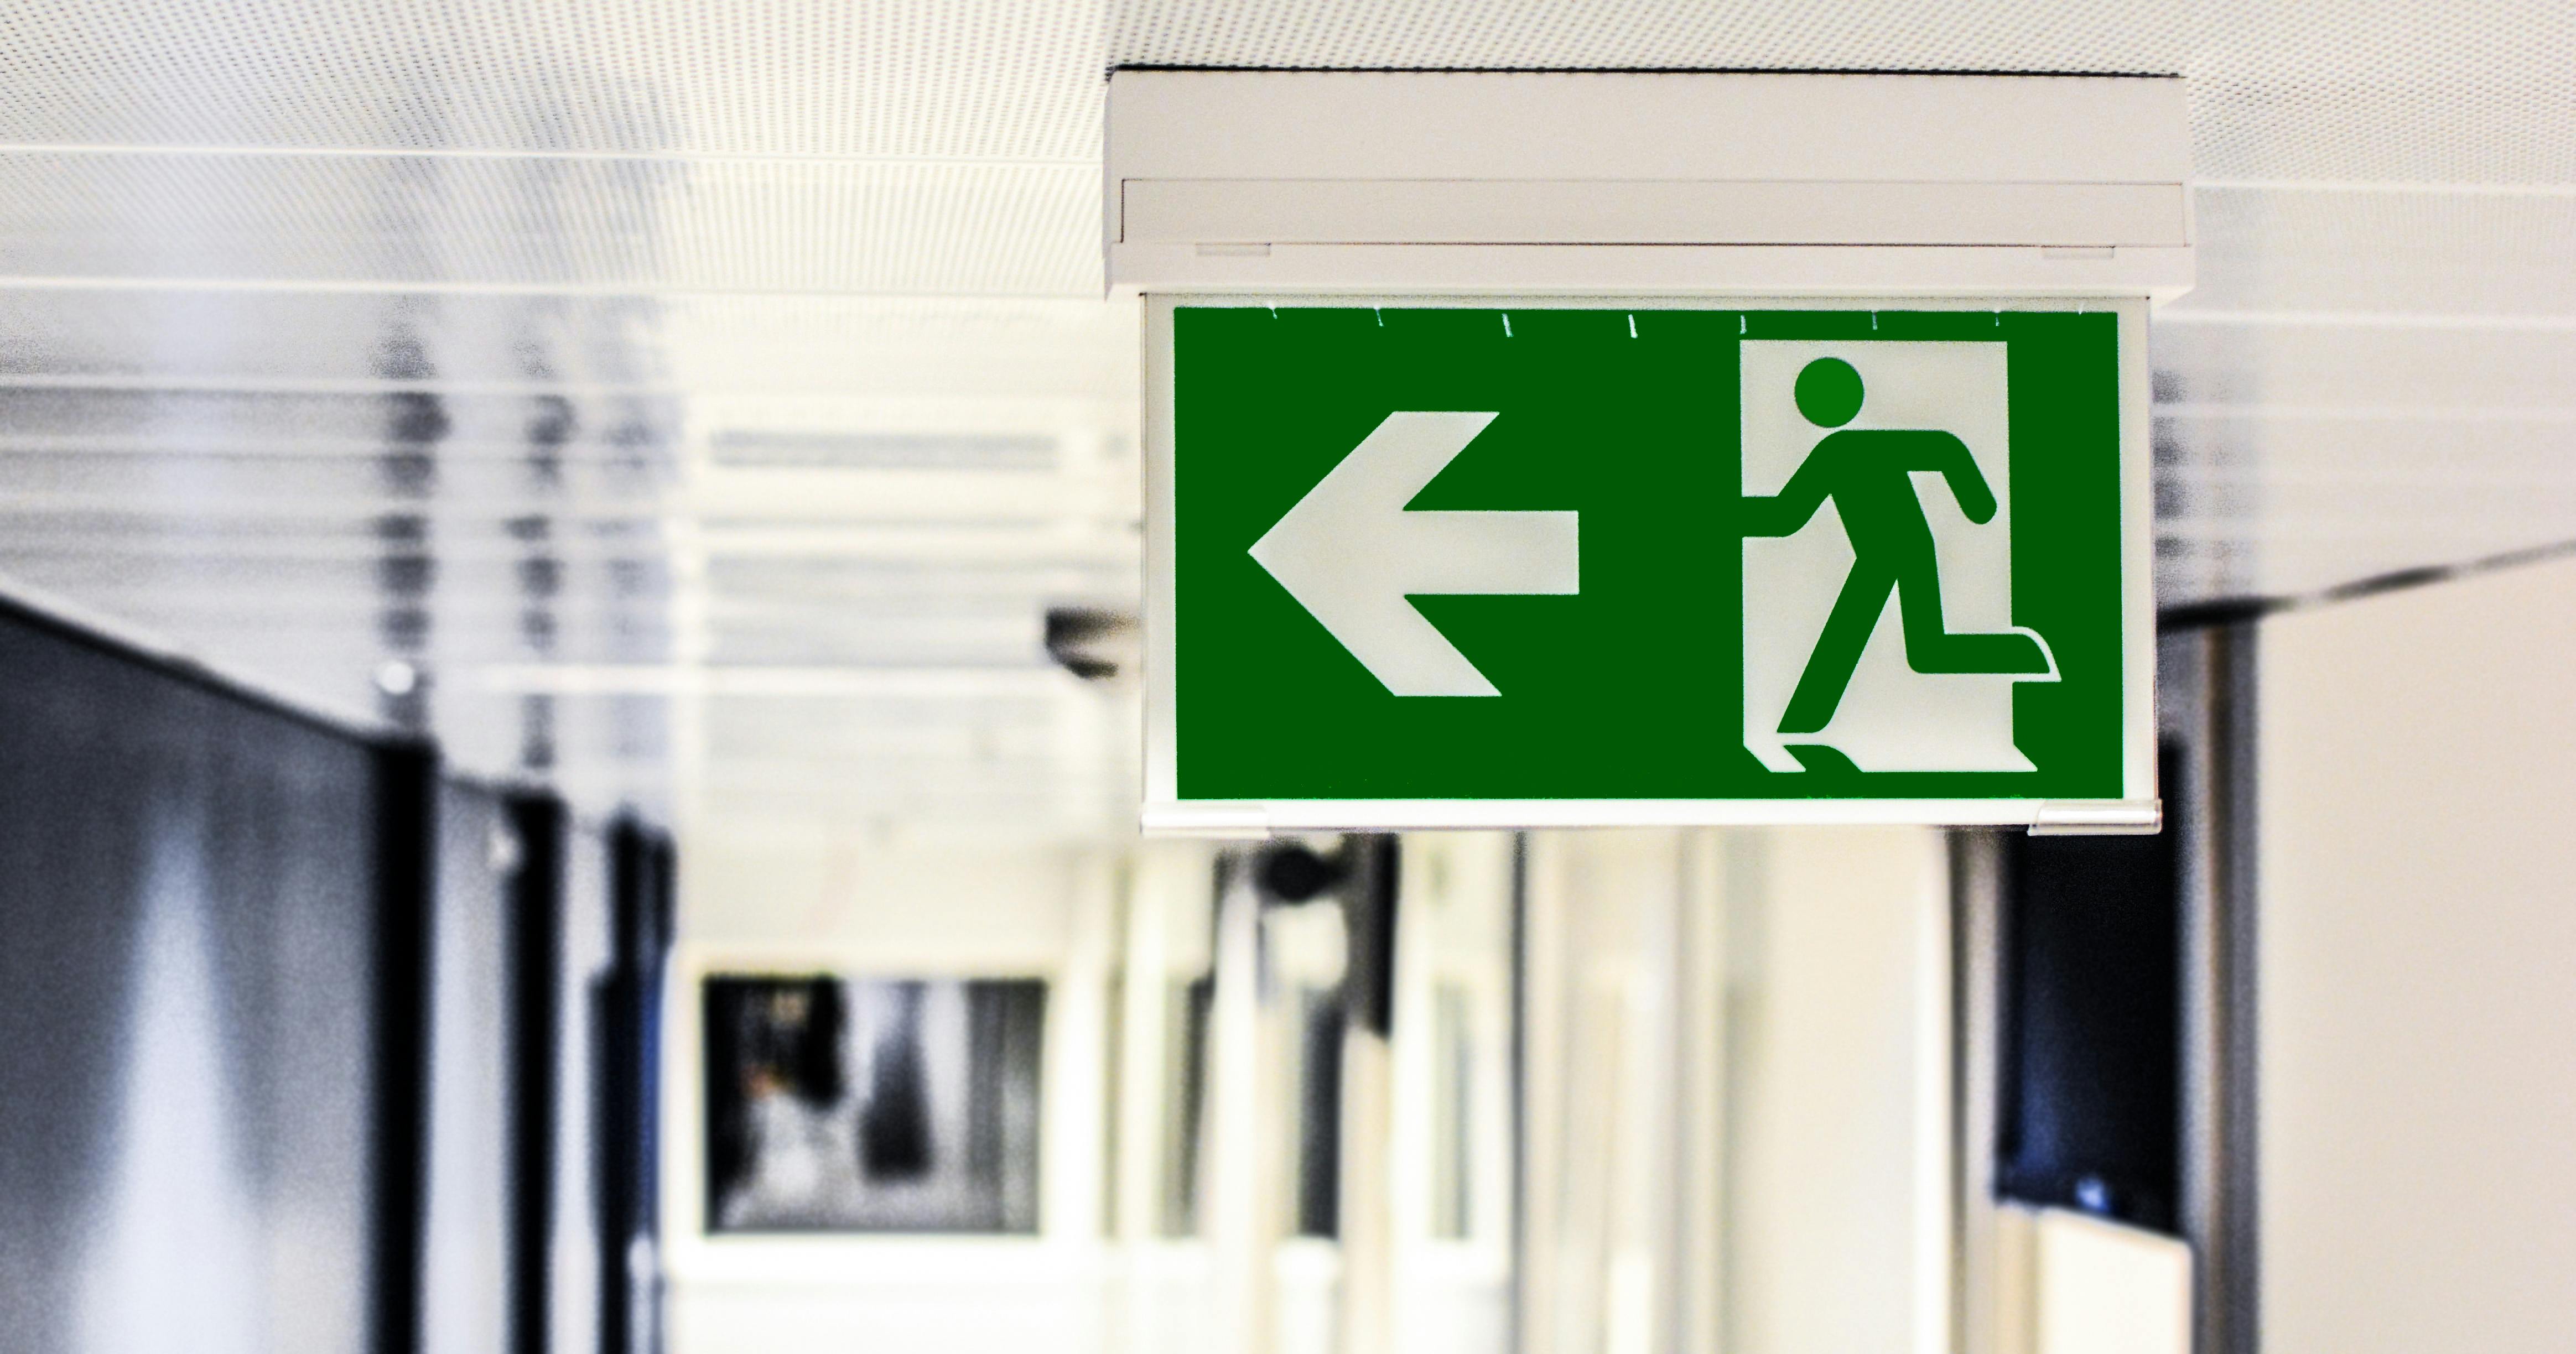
{"type": "Point", "coordinates": [702, 407]}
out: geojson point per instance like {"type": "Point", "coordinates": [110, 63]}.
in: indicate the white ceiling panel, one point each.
{"type": "Point", "coordinates": [2462, 91]}
{"type": "Point", "coordinates": [968, 79]}
{"type": "Point", "coordinates": [617, 224]}
{"type": "Point", "coordinates": [2361, 257]}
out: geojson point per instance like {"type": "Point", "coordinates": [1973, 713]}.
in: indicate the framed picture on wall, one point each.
{"type": "Point", "coordinates": [866, 1103]}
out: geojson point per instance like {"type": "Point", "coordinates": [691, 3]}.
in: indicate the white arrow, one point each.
{"type": "Point", "coordinates": [1350, 553]}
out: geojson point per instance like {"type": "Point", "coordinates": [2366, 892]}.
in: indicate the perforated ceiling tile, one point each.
{"type": "Point", "coordinates": [2432, 369]}
{"type": "Point", "coordinates": [961, 354]}
{"type": "Point", "coordinates": [983, 349]}
{"type": "Point", "coordinates": [1024, 453]}
{"type": "Point", "coordinates": [410, 433]}
{"type": "Point", "coordinates": [2296, 456]}
{"type": "Point", "coordinates": [967, 78]}
{"type": "Point", "coordinates": [2470, 92]}
{"type": "Point", "coordinates": [1031, 755]}
{"type": "Point", "coordinates": [643, 225]}
{"type": "Point", "coordinates": [2369, 254]}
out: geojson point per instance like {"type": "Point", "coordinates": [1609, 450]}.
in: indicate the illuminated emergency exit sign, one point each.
{"type": "Point", "coordinates": [1485, 563]}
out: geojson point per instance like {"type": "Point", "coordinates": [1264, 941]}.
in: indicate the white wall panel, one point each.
{"type": "Point", "coordinates": [2417, 909]}
{"type": "Point", "coordinates": [1736, 1130]}
{"type": "Point", "coordinates": [1838, 1206]}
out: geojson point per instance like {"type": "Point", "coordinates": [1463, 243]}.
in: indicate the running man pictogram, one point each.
{"type": "Point", "coordinates": [1867, 472]}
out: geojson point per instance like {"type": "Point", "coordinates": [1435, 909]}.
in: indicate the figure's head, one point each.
{"type": "Point", "coordinates": [1829, 392]}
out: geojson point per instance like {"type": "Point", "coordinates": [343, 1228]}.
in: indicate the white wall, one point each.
{"type": "Point", "coordinates": [1838, 1208]}
{"type": "Point", "coordinates": [2417, 861]}
{"type": "Point", "coordinates": [928, 911]}
{"type": "Point", "coordinates": [1739, 1100]}
{"type": "Point", "coordinates": [574, 1299]}
{"type": "Point", "coordinates": [465, 1272]}
{"type": "Point", "coordinates": [2077, 1284]}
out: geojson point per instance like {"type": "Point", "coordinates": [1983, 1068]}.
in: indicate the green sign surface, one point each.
{"type": "Point", "coordinates": [1481, 563]}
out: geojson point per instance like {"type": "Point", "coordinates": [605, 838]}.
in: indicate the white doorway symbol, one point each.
{"type": "Point", "coordinates": [1890, 717]}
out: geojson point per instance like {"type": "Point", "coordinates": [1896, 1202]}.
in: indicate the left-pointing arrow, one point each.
{"type": "Point", "coordinates": [1350, 553]}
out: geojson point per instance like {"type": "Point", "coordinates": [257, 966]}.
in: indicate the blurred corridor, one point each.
{"type": "Point", "coordinates": [573, 582]}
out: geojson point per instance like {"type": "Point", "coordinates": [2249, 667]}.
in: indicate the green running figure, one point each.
{"type": "Point", "coordinates": [1866, 472]}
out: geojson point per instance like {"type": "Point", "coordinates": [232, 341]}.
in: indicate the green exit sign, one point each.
{"type": "Point", "coordinates": [1506, 563]}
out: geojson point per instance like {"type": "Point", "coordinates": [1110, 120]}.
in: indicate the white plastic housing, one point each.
{"type": "Point", "coordinates": [1668, 184]}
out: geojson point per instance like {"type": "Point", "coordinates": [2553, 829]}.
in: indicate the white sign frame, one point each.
{"type": "Point", "coordinates": [2138, 809]}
